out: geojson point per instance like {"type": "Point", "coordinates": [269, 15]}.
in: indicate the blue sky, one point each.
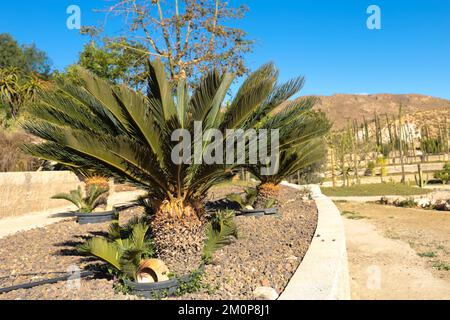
{"type": "Point", "coordinates": [327, 41]}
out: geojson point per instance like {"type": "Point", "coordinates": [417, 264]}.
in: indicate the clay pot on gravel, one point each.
{"type": "Point", "coordinates": [152, 270]}
{"type": "Point", "coordinates": [152, 280]}
{"type": "Point", "coordinates": [152, 290]}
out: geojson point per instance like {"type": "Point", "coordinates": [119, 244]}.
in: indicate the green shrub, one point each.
{"type": "Point", "coordinates": [86, 204]}
{"type": "Point", "coordinates": [408, 203]}
{"type": "Point", "coordinates": [123, 248]}
{"type": "Point", "coordinates": [370, 170]}
{"type": "Point", "coordinates": [444, 175]}
{"type": "Point", "coordinates": [244, 201]}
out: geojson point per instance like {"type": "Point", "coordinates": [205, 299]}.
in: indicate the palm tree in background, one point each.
{"type": "Point", "coordinates": [118, 132]}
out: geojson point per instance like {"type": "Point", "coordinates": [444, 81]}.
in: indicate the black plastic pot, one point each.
{"type": "Point", "coordinates": [258, 213]}
{"type": "Point", "coordinates": [98, 217]}
{"type": "Point", "coordinates": [153, 290]}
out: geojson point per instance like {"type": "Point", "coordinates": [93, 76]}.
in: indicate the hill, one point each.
{"type": "Point", "coordinates": [341, 107]}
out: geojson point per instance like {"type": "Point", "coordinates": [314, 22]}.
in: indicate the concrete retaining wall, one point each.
{"type": "Point", "coordinates": [323, 273]}
{"type": "Point", "coordinates": [22, 193]}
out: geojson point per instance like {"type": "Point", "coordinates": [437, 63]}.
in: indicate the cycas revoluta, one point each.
{"type": "Point", "coordinates": [115, 131]}
{"type": "Point", "coordinates": [302, 144]}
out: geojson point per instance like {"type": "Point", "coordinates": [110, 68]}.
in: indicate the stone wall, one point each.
{"type": "Point", "coordinates": [27, 192]}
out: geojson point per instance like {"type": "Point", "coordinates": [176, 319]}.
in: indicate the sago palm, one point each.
{"type": "Point", "coordinates": [118, 132]}
{"type": "Point", "coordinates": [302, 134]}
{"type": "Point", "coordinates": [124, 248]}
{"type": "Point", "coordinates": [85, 204]}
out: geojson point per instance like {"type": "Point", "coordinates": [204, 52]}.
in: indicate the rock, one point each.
{"type": "Point", "coordinates": [292, 258]}
{"type": "Point", "coordinates": [423, 203]}
{"type": "Point", "coordinates": [265, 293]}
{"type": "Point", "coordinates": [384, 200]}
{"type": "Point", "coordinates": [442, 205]}
{"type": "Point", "coordinates": [265, 282]}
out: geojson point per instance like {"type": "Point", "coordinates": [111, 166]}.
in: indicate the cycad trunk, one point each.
{"type": "Point", "coordinates": [99, 182]}
{"type": "Point", "coordinates": [179, 235]}
{"type": "Point", "coordinates": [266, 191]}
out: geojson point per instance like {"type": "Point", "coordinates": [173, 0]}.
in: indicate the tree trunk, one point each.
{"type": "Point", "coordinates": [179, 235]}
{"type": "Point", "coordinates": [265, 192]}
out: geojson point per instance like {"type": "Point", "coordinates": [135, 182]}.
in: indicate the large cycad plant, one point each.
{"type": "Point", "coordinates": [118, 132]}
{"type": "Point", "coordinates": [301, 144]}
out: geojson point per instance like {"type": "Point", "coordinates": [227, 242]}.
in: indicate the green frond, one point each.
{"type": "Point", "coordinates": [219, 232]}
{"type": "Point", "coordinates": [236, 198]}
{"type": "Point", "coordinates": [75, 197]}
{"type": "Point", "coordinates": [104, 250]}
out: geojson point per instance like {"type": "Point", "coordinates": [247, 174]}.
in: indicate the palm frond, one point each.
{"type": "Point", "coordinates": [74, 196]}
{"type": "Point", "coordinates": [219, 233]}
{"type": "Point", "coordinates": [103, 249]}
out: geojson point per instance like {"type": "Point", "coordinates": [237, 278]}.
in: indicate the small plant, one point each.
{"type": "Point", "coordinates": [429, 254]}
{"type": "Point", "coordinates": [84, 204]}
{"type": "Point", "coordinates": [420, 181]}
{"type": "Point", "coordinates": [408, 203]}
{"type": "Point", "coordinates": [100, 182]}
{"type": "Point", "coordinates": [441, 266]}
{"type": "Point", "coordinates": [219, 232]}
{"type": "Point", "coordinates": [352, 215]}
{"type": "Point", "coordinates": [270, 203]}
{"type": "Point", "coordinates": [247, 201]}
{"type": "Point", "coordinates": [123, 249]}
{"type": "Point", "coordinates": [370, 170]}
{"type": "Point", "coordinates": [444, 175]}
{"type": "Point", "coordinates": [382, 162]}
{"type": "Point", "coordinates": [306, 192]}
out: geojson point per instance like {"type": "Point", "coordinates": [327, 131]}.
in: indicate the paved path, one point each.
{"type": "Point", "coordinates": [11, 225]}
{"type": "Point", "coordinates": [382, 268]}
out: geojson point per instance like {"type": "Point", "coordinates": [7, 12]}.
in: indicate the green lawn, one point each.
{"type": "Point", "coordinates": [380, 189]}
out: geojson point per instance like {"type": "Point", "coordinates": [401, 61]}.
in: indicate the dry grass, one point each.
{"type": "Point", "coordinates": [381, 189]}
{"type": "Point", "coordinates": [11, 157]}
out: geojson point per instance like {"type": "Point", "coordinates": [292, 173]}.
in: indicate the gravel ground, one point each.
{"type": "Point", "coordinates": [267, 253]}
{"type": "Point", "coordinates": [44, 253]}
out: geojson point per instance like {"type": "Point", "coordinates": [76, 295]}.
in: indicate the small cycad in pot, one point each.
{"type": "Point", "coordinates": [129, 252]}
{"type": "Point", "coordinates": [101, 182]}
{"type": "Point", "coordinates": [245, 201]}
{"type": "Point", "coordinates": [85, 204]}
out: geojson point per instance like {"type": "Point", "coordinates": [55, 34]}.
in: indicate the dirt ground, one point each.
{"type": "Point", "coordinates": [397, 253]}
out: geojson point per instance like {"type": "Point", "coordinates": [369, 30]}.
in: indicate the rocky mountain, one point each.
{"type": "Point", "coordinates": [341, 107]}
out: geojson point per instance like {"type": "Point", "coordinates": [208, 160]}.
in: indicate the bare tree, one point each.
{"type": "Point", "coordinates": [190, 36]}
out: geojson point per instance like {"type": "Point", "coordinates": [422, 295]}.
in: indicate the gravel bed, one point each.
{"type": "Point", "coordinates": [44, 253]}
{"type": "Point", "coordinates": [267, 253]}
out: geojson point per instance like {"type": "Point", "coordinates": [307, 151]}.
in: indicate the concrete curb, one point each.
{"type": "Point", "coordinates": [323, 273]}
